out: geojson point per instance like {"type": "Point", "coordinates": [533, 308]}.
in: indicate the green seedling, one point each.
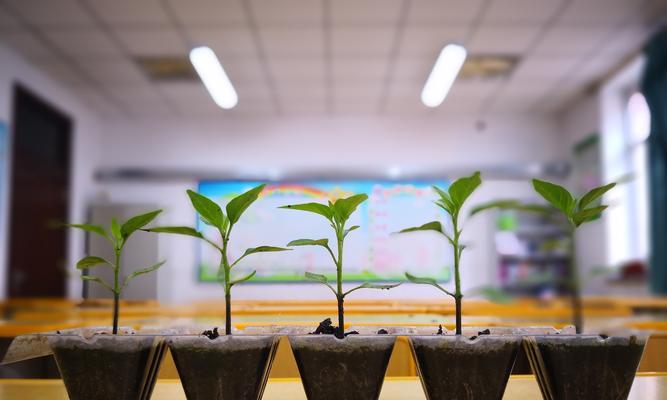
{"type": "Point", "coordinates": [211, 214]}
{"type": "Point", "coordinates": [337, 213]}
{"type": "Point", "coordinates": [578, 212]}
{"type": "Point", "coordinates": [452, 201]}
{"type": "Point", "coordinates": [120, 234]}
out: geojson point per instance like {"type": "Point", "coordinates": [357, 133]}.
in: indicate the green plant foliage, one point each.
{"type": "Point", "coordinates": [211, 214]}
{"type": "Point", "coordinates": [579, 211]}
{"type": "Point", "coordinates": [120, 234]}
{"type": "Point", "coordinates": [337, 213]}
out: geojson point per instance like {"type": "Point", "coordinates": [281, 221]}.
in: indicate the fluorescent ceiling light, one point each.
{"type": "Point", "coordinates": [444, 72]}
{"type": "Point", "coordinates": [214, 77]}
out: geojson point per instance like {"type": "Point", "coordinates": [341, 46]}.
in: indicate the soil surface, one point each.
{"type": "Point", "coordinates": [327, 327]}
{"type": "Point", "coordinates": [211, 334]}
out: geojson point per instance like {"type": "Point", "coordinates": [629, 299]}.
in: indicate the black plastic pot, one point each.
{"type": "Point", "coordinates": [234, 367]}
{"type": "Point", "coordinates": [458, 367]}
{"type": "Point", "coordinates": [352, 368]}
{"type": "Point", "coordinates": [589, 367]}
{"type": "Point", "coordinates": [113, 367]}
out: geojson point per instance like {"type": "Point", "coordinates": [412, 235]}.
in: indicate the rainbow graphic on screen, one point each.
{"type": "Point", "coordinates": [372, 252]}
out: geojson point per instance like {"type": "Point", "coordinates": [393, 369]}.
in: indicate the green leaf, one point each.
{"type": "Point", "coordinates": [142, 272]}
{"type": "Point", "coordinates": [462, 188]}
{"type": "Point", "coordinates": [89, 228]}
{"type": "Point", "coordinates": [240, 203]}
{"type": "Point", "coordinates": [98, 280]}
{"type": "Point", "coordinates": [263, 249]}
{"type": "Point", "coordinates": [426, 281]}
{"type": "Point", "coordinates": [429, 226]}
{"type": "Point", "coordinates": [499, 204]}
{"type": "Point", "coordinates": [241, 280]}
{"type": "Point", "coordinates": [178, 230]}
{"type": "Point", "coordinates": [316, 208]}
{"type": "Point", "coordinates": [309, 242]}
{"type": "Point", "coordinates": [556, 195]}
{"type": "Point", "coordinates": [369, 285]}
{"type": "Point", "coordinates": [137, 222]}
{"type": "Point", "coordinates": [316, 277]}
{"type": "Point", "coordinates": [594, 194]}
{"type": "Point", "coordinates": [343, 208]}
{"type": "Point", "coordinates": [116, 232]}
{"type": "Point", "coordinates": [91, 261]}
{"type": "Point", "coordinates": [350, 229]}
{"type": "Point", "coordinates": [209, 211]}
{"type": "Point", "coordinates": [587, 215]}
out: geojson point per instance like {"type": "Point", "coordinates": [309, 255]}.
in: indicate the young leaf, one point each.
{"type": "Point", "coordinates": [209, 211]}
{"type": "Point", "coordinates": [142, 271]}
{"type": "Point", "coordinates": [586, 215]}
{"type": "Point", "coordinates": [89, 228]}
{"type": "Point", "coordinates": [309, 242]}
{"type": "Point", "coordinates": [429, 226]}
{"type": "Point", "coordinates": [368, 285]}
{"type": "Point", "coordinates": [115, 231]}
{"type": "Point", "coordinates": [343, 208]}
{"type": "Point", "coordinates": [179, 230]}
{"type": "Point", "coordinates": [316, 277]}
{"type": "Point", "coordinates": [350, 229]}
{"type": "Point", "coordinates": [594, 194]}
{"type": "Point", "coordinates": [91, 261]}
{"type": "Point", "coordinates": [98, 280]}
{"type": "Point", "coordinates": [137, 222]}
{"type": "Point", "coordinates": [556, 195]}
{"type": "Point", "coordinates": [462, 188]}
{"type": "Point", "coordinates": [316, 208]}
{"type": "Point", "coordinates": [240, 203]}
{"type": "Point", "coordinates": [500, 204]}
{"type": "Point", "coordinates": [260, 249]}
{"type": "Point", "coordinates": [426, 281]}
{"type": "Point", "coordinates": [241, 280]}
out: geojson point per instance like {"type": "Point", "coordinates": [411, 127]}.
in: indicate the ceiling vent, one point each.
{"type": "Point", "coordinates": [487, 66]}
{"type": "Point", "coordinates": [167, 68]}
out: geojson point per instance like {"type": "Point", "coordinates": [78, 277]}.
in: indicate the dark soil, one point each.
{"type": "Point", "coordinates": [326, 327]}
{"type": "Point", "coordinates": [211, 334]}
{"type": "Point", "coordinates": [440, 332]}
{"type": "Point", "coordinates": [383, 332]}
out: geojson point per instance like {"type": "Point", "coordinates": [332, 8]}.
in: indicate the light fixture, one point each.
{"type": "Point", "coordinates": [215, 79]}
{"type": "Point", "coordinates": [444, 72]}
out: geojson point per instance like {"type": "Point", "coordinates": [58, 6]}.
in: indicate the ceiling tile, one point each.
{"type": "Point", "coordinates": [112, 72]}
{"type": "Point", "coordinates": [490, 39]}
{"type": "Point", "coordinates": [355, 69]}
{"type": "Point", "coordinates": [419, 39]}
{"type": "Point", "coordinates": [97, 101]}
{"type": "Point", "coordinates": [8, 21]}
{"type": "Point", "coordinates": [40, 13]}
{"type": "Point", "coordinates": [84, 43]}
{"type": "Point", "coordinates": [599, 12]}
{"type": "Point", "coordinates": [413, 69]}
{"type": "Point", "coordinates": [296, 68]}
{"type": "Point", "coordinates": [519, 12]}
{"type": "Point", "coordinates": [253, 91]}
{"type": "Point", "coordinates": [194, 13]}
{"type": "Point", "coordinates": [571, 41]}
{"type": "Point", "coordinates": [60, 72]}
{"type": "Point", "coordinates": [439, 11]}
{"type": "Point", "coordinates": [362, 41]}
{"type": "Point", "coordinates": [625, 42]}
{"type": "Point", "coordinates": [286, 41]}
{"type": "Point", "coordinates": [538, 68]}
{"type": "Point", "coordinates": [224, 41]}
{"type": "Point", "coordinates": [26, 44]}
{"type": "Point", "coordinates": [130, 12]}
{"type": "Point", "coordinates": [287, 11]}
{"type": "Point", "coordinates": [243, 68]}
{"type": "Point", "coordinates": [152, 41]}
{"type": "Point", "coordinates": [367, 11]}
{"type": "Point", "coordinates": [301, 90]}
{"type": "Point", "coordinates": [358, 92]}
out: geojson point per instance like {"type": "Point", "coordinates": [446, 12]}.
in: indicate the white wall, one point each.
{"type": "Point", "coordinates": [13, 69]}
{"type": "Point", "coordinates": [278, 146]}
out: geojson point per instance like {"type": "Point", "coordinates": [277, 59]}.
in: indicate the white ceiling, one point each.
{"type": "Point", "coordinates": [310, 57]}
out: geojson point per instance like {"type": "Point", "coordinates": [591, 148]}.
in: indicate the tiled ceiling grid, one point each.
{"type": "Point", "coordinates": [315, 57]}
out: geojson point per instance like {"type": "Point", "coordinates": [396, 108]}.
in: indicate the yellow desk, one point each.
{"type": "Point", "coordinates": [646, 387]}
